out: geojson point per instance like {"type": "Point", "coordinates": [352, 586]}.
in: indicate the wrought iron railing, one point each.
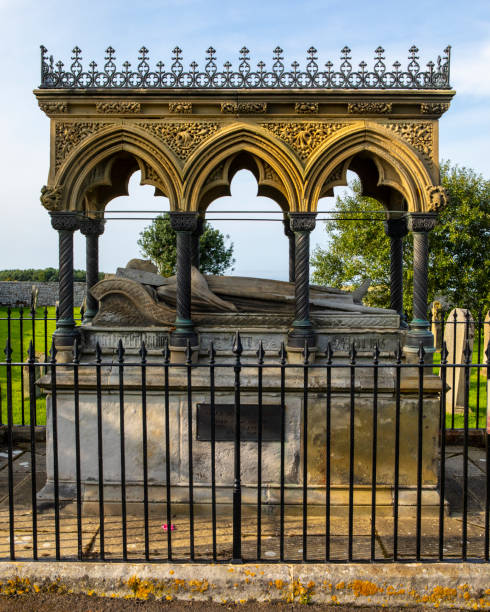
{"type": "Point", "coordinates": [54, 75]}
{"type": "Point", "coordinates": [299, 533]}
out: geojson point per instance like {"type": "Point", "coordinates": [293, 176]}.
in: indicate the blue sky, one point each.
{"type": "Point", "coordinates": [26, 238]}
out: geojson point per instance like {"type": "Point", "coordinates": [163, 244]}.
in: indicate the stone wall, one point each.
{"type": "Point", "coordinates": [18, 293]}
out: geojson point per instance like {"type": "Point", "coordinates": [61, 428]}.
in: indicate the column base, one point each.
{"type": "Point", "coordinates": [419, 334]}
{"type": "Point", "coordinates": [184, 333]}
{"type": "Point", "coordinates": [302, 332]}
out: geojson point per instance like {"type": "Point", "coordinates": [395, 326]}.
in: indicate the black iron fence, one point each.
{"type": "Point", "coordinates": [340, 458]}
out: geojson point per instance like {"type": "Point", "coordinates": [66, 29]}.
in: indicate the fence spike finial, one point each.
{"type": "Point", "coordinates": [143, 352]}
{"type": "Point", "coordinates": [306, 353]}
{"type": "Point", "coordinates": [421, 353]}
{"type": "Point", "coordinates": [399, 352]}
{"type": "Point", "coordinates": [120, 351]}
{"type": "Point", "coordinates": [76, 350]}
{"type": "Point", "coordinates": [467, 352]}
{"type": "Point", "coordinates": [188, 352]}
{"type": "Point", "coordinates": [260, 353]}
{"type": "Point", "coordinates": [329, 353]}
{"type": "Point", "coordinates": [444, 353]}
{"type": "Point", "coordinates": [352, 353]}
{"type": "Point", "coordinates": [166, 352]}
{"type": "Point", "coordinates": [376, 353]}
{"type": "Point", "coordinates": [237, 345]}
{"type": "Point", "coordinates": [98, 353]}
{"type": "Point", "coordinates": [282, 353]}
{"type": "Point", "coordinates": [31, 353]}
{"type": "Point", "coordinates": [52, 352]}
{"type": "Point", "coordinates": [487, 352]}
{"type": "Point", "coordinates": [212, 353]}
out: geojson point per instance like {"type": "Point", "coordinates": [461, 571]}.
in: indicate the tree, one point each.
{"type": "Point", "coordinates": [459, 255]}
{"type": "Point", "coordinates": [158, 242]}
{"type": "Point", "coordinates": [44, 275]}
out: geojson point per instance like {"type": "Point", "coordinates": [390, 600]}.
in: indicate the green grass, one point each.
{"type": "Point", "coordinates": [473, 397]}
{"type": "Point", "coordinates": [20, 392]}
{"type": "Point", "coordinates": [20, 401]}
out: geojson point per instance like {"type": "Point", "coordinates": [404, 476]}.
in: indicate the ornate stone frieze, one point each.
{"type": "Point", "coordinates": [421, 222]}
{"type": "Point", "coordinates": [183, 221]}
{"type": "Point", "coordinates": [303, 137]}
{"type": "Point", "coordinates": [65, 221]}
{"type": "Point", "coordinates": [114, 108]}
{"type": "Point", "coordinates": [437, 197]}
{"type": "Point", "coordinates": [52, 197]}
{"type": "Point", "coordinates": [70, 134]}
{"type": "Point", "coordinates": [370, 108]}
{"type": "Point", "coordinates": [244, 107]}
{"type": "Point", "coordinates": [418, 134]}
{"type": "Point", "coordinates": [90, 226]}
{"type": "Point", "coordinates": [306, 108]}
{"type": "Point", "coordinates": [182, 138]}
{"type": "Point", "coordinates": [434, 108]}
{"type": "Point", "coordinates": [180, 108]}
{"type": "Point", "coordinates": [302, 222]}
{"type": "Point", "coordinates": [53, 108]}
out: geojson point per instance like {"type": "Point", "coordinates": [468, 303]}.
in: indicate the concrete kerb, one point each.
{"type": "Point", "coordinates": [444, 585]}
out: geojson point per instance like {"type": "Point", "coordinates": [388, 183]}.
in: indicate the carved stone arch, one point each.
{"type": "Point", "coordinates": [96, 159]}
{"type": "Point", "coordinates": [401, 173]}
{"type": "Point", "coordinates": [218, 182]}
{"type": "Point", "coordinates": [276, 170]}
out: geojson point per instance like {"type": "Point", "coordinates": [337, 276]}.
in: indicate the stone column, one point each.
{"type": "Point", "coordinates": [302, 225]}
{"type": "Point", "coordinates": [196, 235]}
{"type": "Point", "coordinates": [396, 229]}
{"type": "Point", "coordinates": [91, 229]}
{"type": "Point", "coordinates": [292, 252]}
{"type": "Point", "coordinates": [420, 225]}
{"type": "Point", "coordinates": [184, 223]}
{"type": "Point", "coordinates": [65, 223]}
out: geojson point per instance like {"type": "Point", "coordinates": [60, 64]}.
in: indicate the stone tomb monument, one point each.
{"type": "Point", "coordinates": [188, 132]}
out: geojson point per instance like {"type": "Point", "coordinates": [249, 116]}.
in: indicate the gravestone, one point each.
{"type": "Point", "coordinates": [486, 334]}
{"type": "Point", "coordinates": [458, 329]}
{"type": "Point", "coordinates": [437, 315]}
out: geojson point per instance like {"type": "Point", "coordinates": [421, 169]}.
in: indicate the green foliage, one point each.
{"type": "Point", "coordinates": [459, 261]}
{"type": "Point", "coordinates": [158, 242]}
{"type": "Point", "coordinates": [40, 276]}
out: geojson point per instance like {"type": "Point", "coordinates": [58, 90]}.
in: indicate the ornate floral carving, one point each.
{"type": "Point", "coordinates": [182, 108]}
{"type": "Point", "coordinates": [90, 226]}
{"type": "Point", "coordinates": [302, 222]}
{"type": "Point", "coordinates": [270, 174]}
{"type": "Point", "coordinates": [182, 138]}
{"type": "Point", "coordinates": [65, 220]}
{"type": "Point", "coordinates": [362, 108]}
{"type": "Point", "coordinates": [183, 221]}
{"type": "Point", "coordinates": [303, 137]}
{"type": "Point", "coordinates": [421, 222]}
{"type": "Point", "coordinates": [417, 134]}
{"type": "Point", "coordinates": [52, 197]}
{"type": "Point", "coordinates": [113, 108]}
{"type": "Point", "coordinates": [435, 108]}
{"type": "Point", "coordinates": [53, 108]}
{"type": "Point", "coordinates": [244, 107]}
{"type": "Point", "coordinates": [437, 197]}
{"type": "Point", "coordinates": [307, 108]}
{"type": "Point", "coordinates": [69, 135]}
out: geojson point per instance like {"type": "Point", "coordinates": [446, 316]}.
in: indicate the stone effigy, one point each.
{"type": "Point", "coordinates": [137, 295]}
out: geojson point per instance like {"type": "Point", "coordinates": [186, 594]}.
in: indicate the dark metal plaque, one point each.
{"type": "Point", "coordinates": [249, 422]}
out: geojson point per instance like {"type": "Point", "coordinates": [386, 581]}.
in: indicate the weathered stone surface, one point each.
{"type": "Point", "coordinates": [437, 314]}
{"type": "Point", "coordinates": [142, 276]}
{"type": "Point", "coordinates": [456, 333]}
{"type": "Point", "coordinates": [145, 265]}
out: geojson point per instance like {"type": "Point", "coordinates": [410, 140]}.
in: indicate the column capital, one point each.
{"type": "Point", "coordinates": [396, 228]}
{"type": "Point", "coordinates": [89, 226]}
{"type": "Point", "coordinates": [287, 226]}
{"type": "Point", "coordinates": [421, 222]}
{"type": "Point", "coordinates": [302, 221]}
{"type": "Point", "coordinates": [183, 221]}
{"type": "Point", "coordinates": [65, 220]}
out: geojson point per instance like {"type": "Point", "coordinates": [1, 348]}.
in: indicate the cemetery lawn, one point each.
{"type": "Point", "coordinates": [21, 320]}
{"type": "Point", "coordinates": [20, 401]}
